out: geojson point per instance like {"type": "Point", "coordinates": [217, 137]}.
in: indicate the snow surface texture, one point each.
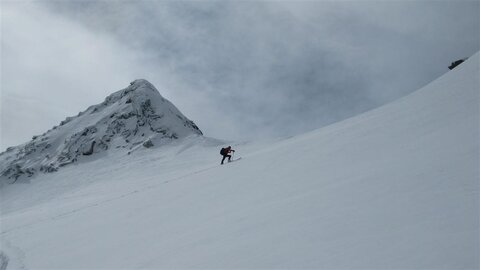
{"type": "Point", "coordinates": [135, 116]}
{"type": "Point", "coordinates": [394, 188]}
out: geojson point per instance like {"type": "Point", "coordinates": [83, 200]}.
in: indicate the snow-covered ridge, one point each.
{"type": "Point", "coordinates": [132, 117]}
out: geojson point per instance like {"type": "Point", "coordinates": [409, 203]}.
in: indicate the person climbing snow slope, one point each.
{"type": "Point", "coordinates": [225, 152]}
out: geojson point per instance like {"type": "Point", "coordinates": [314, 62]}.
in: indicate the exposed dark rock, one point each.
{"type": "Point", "coordinates": [90, 150]}
{"type": "Point", "coordinates": [456, 63]}
{"type": "Point", "coordinates": [148, 143]}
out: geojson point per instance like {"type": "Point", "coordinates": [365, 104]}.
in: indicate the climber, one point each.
{"type": "Point", "coordinates": [225, 153]}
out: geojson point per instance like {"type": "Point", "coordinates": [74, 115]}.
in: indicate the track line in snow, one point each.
{"type": "Point", "coordinates": [108, 200]}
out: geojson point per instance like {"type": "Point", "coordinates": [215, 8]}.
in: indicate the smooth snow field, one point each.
{"type": "Point", "coordinates": [396, 187]}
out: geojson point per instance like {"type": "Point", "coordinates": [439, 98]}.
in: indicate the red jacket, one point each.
{"type": "Point", "coordinates": [228, 150]}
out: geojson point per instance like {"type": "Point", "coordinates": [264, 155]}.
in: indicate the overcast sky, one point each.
{"type": "Point", "coordinates": [240, 70]}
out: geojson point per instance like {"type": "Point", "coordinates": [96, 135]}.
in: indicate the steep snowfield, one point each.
{"type": "Point", "coordinates": [396, 187]}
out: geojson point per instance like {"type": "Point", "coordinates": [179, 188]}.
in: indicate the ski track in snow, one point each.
{"type": "Point", "coordinates": [20, 255]}
{"type": "Point", "coordinates": [135, 192]}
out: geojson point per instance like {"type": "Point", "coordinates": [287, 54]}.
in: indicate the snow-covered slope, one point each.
{"type": "Point", "coordinates": [135, 116]}
{"type": "Point", "coordinates": [396, 187]}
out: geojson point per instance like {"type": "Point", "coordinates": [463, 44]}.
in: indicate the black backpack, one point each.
{"type": "Point", "coordinates": [222, 152]}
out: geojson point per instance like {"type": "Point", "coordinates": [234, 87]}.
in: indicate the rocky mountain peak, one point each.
{"type": "Point", "coordinates": [131, 118]}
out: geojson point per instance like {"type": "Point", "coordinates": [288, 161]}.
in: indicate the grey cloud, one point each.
{"type": "Point", "coordinates": [248, 69]}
